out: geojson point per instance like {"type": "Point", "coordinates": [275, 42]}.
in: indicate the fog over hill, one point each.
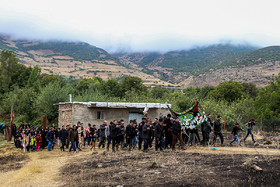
{"type": "Point", "coordinates": [198, 66]}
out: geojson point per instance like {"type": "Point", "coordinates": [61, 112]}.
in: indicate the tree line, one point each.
{"type": "Point", "coordinates": [32, 94]}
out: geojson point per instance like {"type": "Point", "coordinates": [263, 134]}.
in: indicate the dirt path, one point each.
{"type": "Point", "coordinates": [42, 169]}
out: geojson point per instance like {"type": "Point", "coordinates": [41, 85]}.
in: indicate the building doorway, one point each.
{"type": "Point", "coordinates": [135, 115]}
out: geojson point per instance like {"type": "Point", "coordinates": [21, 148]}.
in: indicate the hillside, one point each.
{"type": "Point", "coordinates": [209, 65]}
{"type": "Point", "coordinates": [256, 67]}
{"type": "Point", "coordinates": [76, 59]}
{"type": "Point", "coordinates": [200, 66]}
{"type": "Point", "coordinates": [175, 66]}
{"type": "Point", "coordinates": [267, 54]}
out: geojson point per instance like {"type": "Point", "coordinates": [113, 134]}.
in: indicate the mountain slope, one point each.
{"type": "Point", "coordinates": [175, 66]}
{"type": "Point", "coordinates": [196, 67]}
{"type": "Point", "coordinates": [76, 59]}
{"type": "Point", "coordinates": [263, 55]}
{"type": "Point", "coordinates": [199, 59]}
{"type": "Point", "coordinates": [210, 65]}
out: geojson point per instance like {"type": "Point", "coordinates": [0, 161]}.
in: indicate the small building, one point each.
{"type": "Point", "coordinates": [97, 112]}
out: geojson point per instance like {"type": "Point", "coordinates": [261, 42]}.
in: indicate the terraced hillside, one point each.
{"type": "Point", "coordinates": [200, 66]}
{"type": "Point", "coordinates": [76, 59]}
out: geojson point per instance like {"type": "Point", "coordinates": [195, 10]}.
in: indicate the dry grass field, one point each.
{"type": "Point", "coordinates": [54, 63]}
{"type": "Point", "coordinates": [196, 166]}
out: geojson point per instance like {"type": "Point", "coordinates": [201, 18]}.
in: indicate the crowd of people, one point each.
{"type": "Point", "coordinates": [164, 133]}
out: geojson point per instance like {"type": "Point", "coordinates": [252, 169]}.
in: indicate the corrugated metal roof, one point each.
{"type": "Point", "coordinates": [118, 105]}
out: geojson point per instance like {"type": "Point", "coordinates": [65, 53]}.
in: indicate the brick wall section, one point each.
{"type": "Point", "coordinates": [65, 115]}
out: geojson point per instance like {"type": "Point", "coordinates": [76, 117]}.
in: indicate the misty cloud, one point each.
{"type": "Point", "coordinates": [126, 25]}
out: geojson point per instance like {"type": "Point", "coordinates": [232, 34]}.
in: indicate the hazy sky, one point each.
{"type": "Point", "coordinates": [144, 25]}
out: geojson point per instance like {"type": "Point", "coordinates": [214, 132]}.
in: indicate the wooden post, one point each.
{"type": "Point", "coordinates": [44, 122]}
{"type": "Point", "coordinates": [6, 132]}
{"type": "Point", "coordinates": [11, 125]}
{"type": "Point", "coordinates": [224, 124]}
{"type": "Point", "coordinates": [261, 125]}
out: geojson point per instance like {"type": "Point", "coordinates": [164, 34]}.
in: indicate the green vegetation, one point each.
{"type": "Point", "coordinates": [201, 59]}
{"type": "Point", "coordinates": [185, 62]}
{"type": "Point", "coordinates": [194, 61]}
{"type": "Point", "coordinates": [34, 95]}
{"type": "Point", "coordinates": [267, 54]}
{"type": "Point", "coordinates": [78, 50]}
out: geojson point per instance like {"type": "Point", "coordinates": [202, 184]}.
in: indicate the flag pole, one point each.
{"type": "Point", "coordinates": [11, 126]}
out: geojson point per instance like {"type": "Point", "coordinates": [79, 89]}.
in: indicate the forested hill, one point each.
{"type": "Point", "coordinates": [194, 60]}
{"type": "Point", "coordinates": [210, 65]}
{"type": "Point", "coordinates": [73, 59]}
{"type": "Point", "coordinates": [263, 55]}
{"type": "Point", "coordinates": [200, 66]}
{"type": "Point", "coordinates": [77, 50]}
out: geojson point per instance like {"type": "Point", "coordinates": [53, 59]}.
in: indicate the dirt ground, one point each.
{"type": "Point", "coordinates": [196, 166]}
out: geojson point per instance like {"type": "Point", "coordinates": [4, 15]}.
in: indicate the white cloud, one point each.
{"type": "Point", "coordinates": [144, 24]}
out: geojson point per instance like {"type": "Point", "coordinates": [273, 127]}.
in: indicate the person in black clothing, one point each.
{"type": "Point", "coordinates": [91, 133]}
{"type": "Point", "coordinates": [197, 134]}
{"type": "Point", "coordinates": [167, 127]}
{"type": "Point", "coordinates": [21, 125]}
{"type": "Point", "coordinates": [159, 135]}
{"type": "Point", "coordinates": [135, 139]}
{"type": "Point", "coordinates": [192, 139]}
{"type": "Point", "coordinates": [67, 140]}
{"type": "Point", "coordinates": [235, 134]}
{"type": "Point", "coordinates": [14, 130]}
{"type": "Point", "coordinates": [207, 129]}
{"type": "Point", "coordinates": [145, 135]}
{"type": "Point", "coordinates": [93, 141]}
{"type": "Point", "coordinates": [108, 135]}
{"type": "Point", "coordinates": [18, 139]}
{"type": "Point", "coordinates": [153, 128]}
{"type": "Point", "coordinates": [218, 130]}
{"type": "Point", "coordinates": [50, 137]}
{"type": "Point", "coordinates": [114, 134]}
{"type": "Point", "coordinates": [121, 135]}
{"type": "Point", "coordinates": [151, 133]}
{"type": "Point", "coordinates": [176, 132]}
{"type": "Point", "coordinates": [63, 136]}
{"type": "Point", "coordinates": [55, 132]}
{"type": "Point", "coordinates": [44, 139]}
{"type": "Point", "coordinates": [250, 126]}
{"type": "Point", "coordinates": [102, 134]}
{"type": "Point", "coordinates": [130, 134]}
{"type": "Point", "coordinates": [203, 133]}
{"type": "Point", "coordinates": [140, 130]}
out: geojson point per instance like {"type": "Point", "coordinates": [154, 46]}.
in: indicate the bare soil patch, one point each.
{"type": "Point", "coordinates": [171, 169]}
{"type": "Point", "coordinates": [12, 161]}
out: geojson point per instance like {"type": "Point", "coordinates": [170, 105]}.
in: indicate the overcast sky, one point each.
{"type": "Point", "coordinates": [144, 25]}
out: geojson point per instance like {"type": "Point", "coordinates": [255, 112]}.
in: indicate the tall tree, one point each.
{"type": "Point", "coordinates": [25, 103]}
{"type": "Point", "coordinates": [159, 92]}
{"type": "Point", "coordinates": [229, 91]}
{"type": "Point", "coordinates": [8, 63]}
{"type": "Point", "coordinates": [111, 88]}
{"type": "Point", "coordinates": [250, 89]}
{"type": "Point", "coordinates": [45, 79]}
{"type": "Point", "coordinates": [34, 78]}
{"type": "Point", "coordinates": [135, 84]}
{"type": "Point", "coordinates": [87, 85]}
{"type": "Point", "coordinates": [267, 104]}
{"type": "Point", "coordinates": [52, 94]}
